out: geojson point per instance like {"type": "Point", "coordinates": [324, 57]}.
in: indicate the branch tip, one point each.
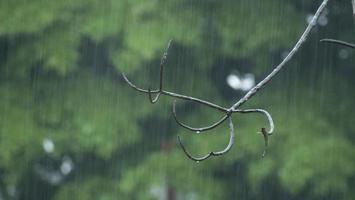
{"type": "Point", "coordinates": [266, 140]}
{"type": "Point", "coordinates": [338, 42]}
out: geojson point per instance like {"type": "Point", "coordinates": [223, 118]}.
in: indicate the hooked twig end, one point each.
{"type": "Point", "coordinates": [153, 101]}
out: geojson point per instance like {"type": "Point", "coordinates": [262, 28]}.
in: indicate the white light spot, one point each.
{"type": "Point", "coordinates": [48, 145]}
{"type": "Point", "coordinates": [67, 166]}
{"type": "Point", "coordinates": [233, 81]}
{"type": "Point", "coordinates": [248, 82]}
{"type": "Point", "coordinates": [241, 83]}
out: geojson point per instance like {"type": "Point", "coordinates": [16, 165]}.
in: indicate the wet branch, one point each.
{"type": "Point", "coordinates": [339, 42]}
{"type": "Point", "coordinates": [227, 112]}
{"type": "Point", "coordinates": [178, 96]}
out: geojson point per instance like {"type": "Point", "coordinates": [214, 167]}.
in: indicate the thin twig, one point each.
{"type": "Point", "coordinates": [263, 131]}
{"type": "Point", "coordinates": [339, 42]}
{"type": "Point", "coordinates": [162, 64]}
{"type": "Point", "coordinates": [212, 153]}
{"type": "Point", "coordinates": [178, 96]}
{"type": "Point", "coordinates": [266, 140]}
{"type": "Point", "coordinates": [199, 130]}
{"type": "Point", "coordinates": [137, 88]}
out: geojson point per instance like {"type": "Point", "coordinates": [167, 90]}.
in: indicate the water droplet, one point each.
{"type": "Point", "coordinates": [198, 132]}
{"type": "Point", "coordinates": [197, 162]}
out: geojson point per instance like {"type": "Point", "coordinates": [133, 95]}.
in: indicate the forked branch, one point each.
{"type": "Point", "coordinates": [162, 63]}
{"type": "Point", "coordinates": [227, 112]}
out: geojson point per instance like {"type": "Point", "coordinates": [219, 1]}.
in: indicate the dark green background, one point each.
{"type": "Point", "coordinates": [60, 65]}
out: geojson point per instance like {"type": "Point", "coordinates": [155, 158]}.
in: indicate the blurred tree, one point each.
{"type": "Point", "coordinates": [69, 122]}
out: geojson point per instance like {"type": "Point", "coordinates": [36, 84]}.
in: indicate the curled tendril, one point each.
{"type": "Point", "coordinates": [212, 153]}
{"type": "Point", "coordinates": [264, 112]}
{"type": "Point", "coordinates": [263, 130]}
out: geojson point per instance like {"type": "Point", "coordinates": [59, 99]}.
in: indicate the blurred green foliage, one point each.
{"type": "Point", "coordinates": [60, 63]}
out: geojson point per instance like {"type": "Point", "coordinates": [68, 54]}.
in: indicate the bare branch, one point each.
{"type": "Point", "coordinates": [137, 88]}
{"type": "Point", "coordinates": [277, 69]}
{"type": "Point", "coordinates": [196, 100]}
{"type": "Point", "coordinates": [162, 63]}
{"type": "Point", "coordinates": [234, 108]}
{"type": "Point", "coordinates": [262, 83]}
{"type": "Point", "coordinates": [339, 42]}
{"type": "Point", "coordinates": [178, 96]}
{"type": "Point", "coordinates": [161, 91]}
{"type": "Point", "coordinates": [213, 153]}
